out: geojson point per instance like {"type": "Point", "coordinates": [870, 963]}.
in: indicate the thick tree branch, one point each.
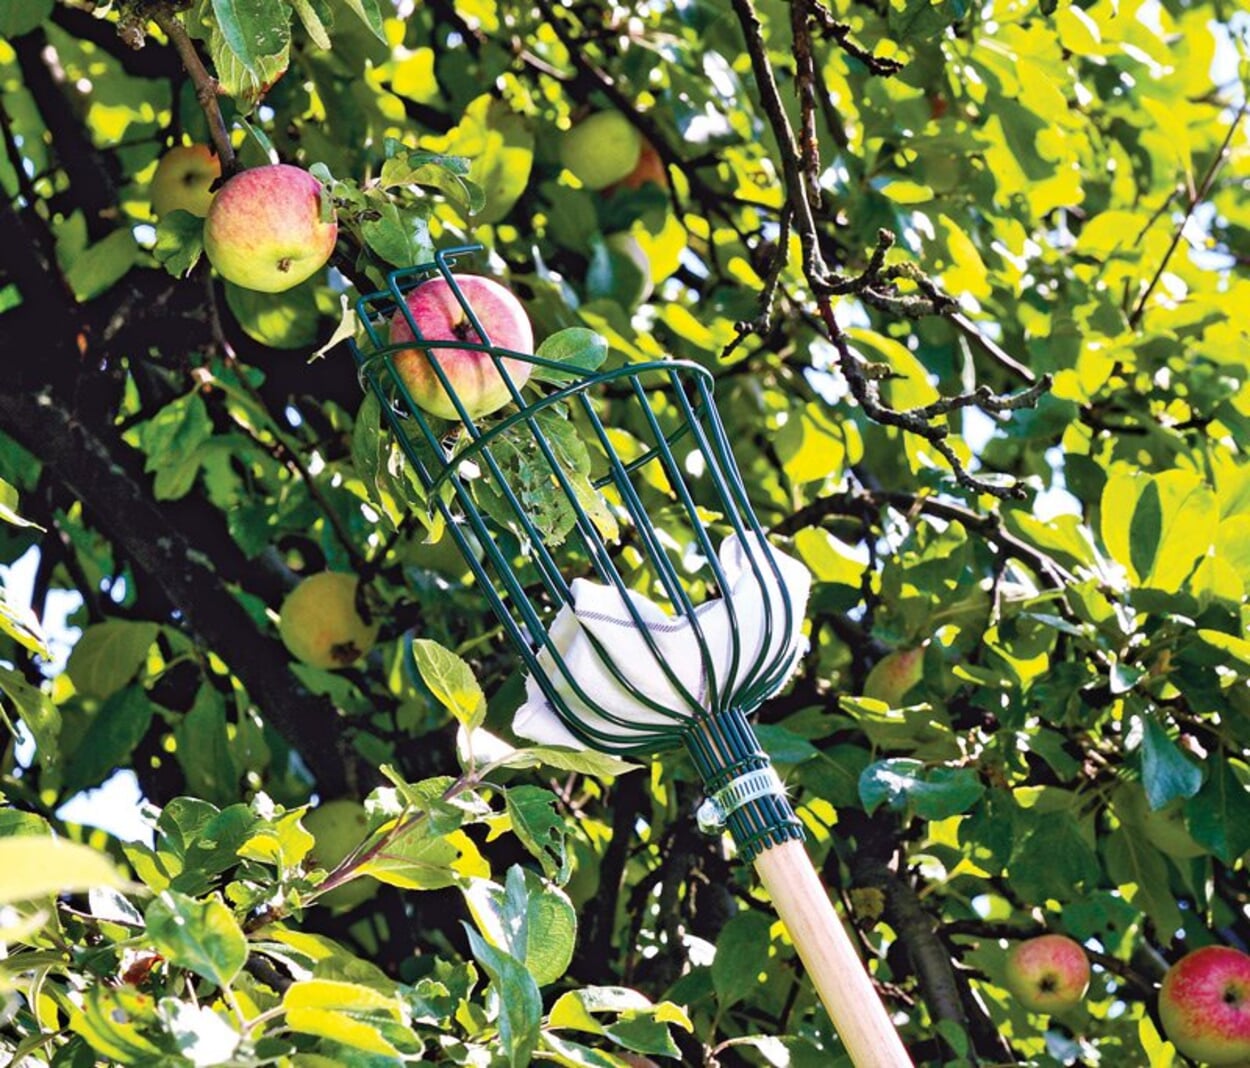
{"type": "Point", "coordinates": [162, 552]}
{"type": "Point", "coordinates": [93, 176]}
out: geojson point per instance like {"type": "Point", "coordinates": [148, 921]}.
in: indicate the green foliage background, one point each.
{"type": "Point", "coordinates": [1074, 755]}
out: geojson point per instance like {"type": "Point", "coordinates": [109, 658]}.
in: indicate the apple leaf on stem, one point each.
{"type": "Point", "coordinates": [179, 242]}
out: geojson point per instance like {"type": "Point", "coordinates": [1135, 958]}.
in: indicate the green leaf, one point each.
{"type": "Point", "coordinates": [203, 749]}
{"type": "Point", "coordinates": [540, 828]}
{"type": "Point", "coordinates": [530, 919]}
{"type": "Point", "coordinates": [741, 957]}
{"type": "Point", "coordinates": [21, 16]}
{"type": "Point", "coordinates": [420, 857]}
{"type": "Point", "coordinates": [398, 234]}
{"type": "Point", "coordinates": [109, 655]}
{"type": "Point", "coordinates": [1166, 772]}
{"type": "Point", "coordinates": [370, 14]}
{"type": "Point", "coordinates": [253, 28]}
{"type": "Point", "coordinates": [179, 242]}
{"type": "Point", "coordinates": [33, 867]}
{"type": "Point", "coordinates": [500, 144]}
{"type": "Point", "coordinates": [214, 847]}
{"type": "Point", "coordinates": [584, 351]}
{"type": "Point", "coordinates": [41, 716]}
{"type": "Point", "coordinates": [640, 1027]}
{"type": "Point", "coordinates": [8, 507]}
{"type": "Point", "coordinates": [312, 23]}
{"type": "Point", "coordinates": [583, 761]}
{"type": "Point", "coordinates": [1052, 858]}
{"type": "Point", "coordinates": [287, 320]}
{"type": "Point", "coordinates": [934, 793]}
{"type": "Point", "coordinates": [1158, 526]}
{"type": "Point", "coordinates": [1141, 873]}
{"type": "Point", "coordinates": [201, 936]}
{"type": "Point", "coordinates": [22, 627]}
{"type": "Point", "coordinates": [201, 1035]}
{"type": "Point", "coordinates": [355, 1015]}
{"type": "Point", "coordinates": [111, 737]}
{"type": "Point", "coordinates": [176, 432]}
{"type": "Point", "coordinates": [112, 1020]}
{"type": "Point", "coordinates": [1218, 815]}
{"type": "Point", "coordinates": [520, 1004]}
{"type": "Point", "coordinates": [451, 681]}
{"type": "Point", "coordinates": [245, 82]}
{"type": "Point", "coordinates": [96, 269]}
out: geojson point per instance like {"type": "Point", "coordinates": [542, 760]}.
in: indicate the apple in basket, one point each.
{"type": "Point", "coordinates": [473, 375]}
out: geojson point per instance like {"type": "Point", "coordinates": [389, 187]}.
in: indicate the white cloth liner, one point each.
{"type": "Point", "coordinates": [599, 610]}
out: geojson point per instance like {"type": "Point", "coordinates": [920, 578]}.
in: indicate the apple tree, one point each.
{"type": "Point", "coordinates": [972, 280]}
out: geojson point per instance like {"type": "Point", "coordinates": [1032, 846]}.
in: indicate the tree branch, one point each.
{"type": "Point", "coordinates": [96, 475]}
{"type": "Point", "coordinates": [1198, 197]}
{"type": "Point", "coordinates": [205, 84]}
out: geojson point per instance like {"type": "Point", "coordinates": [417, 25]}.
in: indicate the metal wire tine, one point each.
{"type": "Point", "coordinates": [677, 478]}
{"type": "Point", "coordinates": [724, 472]}
{"type": "Point", "coordinates": [606, 568]}
{"type": "Point", "coordinates": [658, 557]}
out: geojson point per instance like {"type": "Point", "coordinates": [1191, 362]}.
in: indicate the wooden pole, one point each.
{"type": "Point", "coordinates": [830, 958]}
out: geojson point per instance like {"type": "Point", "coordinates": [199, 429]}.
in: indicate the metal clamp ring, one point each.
{"type": "Point", "coordinates": [715, 809]}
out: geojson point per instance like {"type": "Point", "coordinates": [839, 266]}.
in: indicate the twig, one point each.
{"type": "Point", "coordinates": [840, 33]}
{"type": "Point", "coordinates": [206, 86]}
{"type": "Point", "coordinates": [1197, 198]}
{"type": "Point", "coordinates": [865, 502]}
{"type": "Point", "coordinates": [814, 266]}
{"type": "Point", "coordinates": [762, 324]}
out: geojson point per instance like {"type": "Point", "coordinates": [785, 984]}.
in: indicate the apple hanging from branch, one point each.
{"type": "Point", "coordinates": [270, 228]}
{"type": "Point", "coordinates": [339, 826]}
{"type": "Point", "coordinates": [183, 180]}
{"type": "Point", "coordinates": [473, 375]}
{"type": "Point", "coordinates": [601, 149]}
{"type": "Point", "coordinates": [1049, 973]}
{"type": "Point", "coordinates": [320, 625]}
{"type": "Point", "coordinates": [1204, 1005]}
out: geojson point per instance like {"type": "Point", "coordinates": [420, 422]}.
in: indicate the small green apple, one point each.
{"type": "Point", "coordinates": [601, 149]}
{"type": "Point", "coordinates": [182, 180]}
{"type": "Point", "coordinates": [319, 624]}
{"type": "Point", "coordinates": [339, 826]}
{"type": "Point", "coordinates": [1048, 974]}
{"type": "Point", "coordinates": [265, 229]}
{"type": "Point", "coordinates": [474, 378]}
{"type": "Point", "coordinates": [1204, 1005]}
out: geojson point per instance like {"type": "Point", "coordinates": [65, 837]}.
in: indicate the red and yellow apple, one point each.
{"type": "Point", "coordinates": [601, 149]}
{"type": "Point", "coordinates": [265, 229]}
{"type": "Point", "coordinates": [1205, 1005]}
{"type": "Point", "coordinates": [182, 180]}
{"type": "Point", "coordinates": [339, 826]}
{"type": "Point", "coordinates": [893, 676]}
{"type": "Point", "coordinates": [319, 623]}
{"type": "Point", "coordinates": [1049, 973]}
{"type": "Point", "coordinates": [473, 376]}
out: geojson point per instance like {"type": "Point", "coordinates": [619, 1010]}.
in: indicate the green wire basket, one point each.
{"type": "Point", "coordinates": [678, 443]}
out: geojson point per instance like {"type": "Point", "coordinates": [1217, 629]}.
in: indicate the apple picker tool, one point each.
{"type": "Point", "coordinates": [620, 657]}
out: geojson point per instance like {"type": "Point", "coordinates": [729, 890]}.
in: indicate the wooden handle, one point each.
{"type": "Point", "coordinates": [826, 951]}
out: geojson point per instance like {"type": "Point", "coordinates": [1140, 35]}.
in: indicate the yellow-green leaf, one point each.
{"type": "Point", "coordinates": [343, 1012]}
{"type": "Point", "coordinates": [33, 867]}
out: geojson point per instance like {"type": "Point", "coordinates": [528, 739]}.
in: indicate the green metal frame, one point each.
{"type": "Point", "coordinates": [715, 729]}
